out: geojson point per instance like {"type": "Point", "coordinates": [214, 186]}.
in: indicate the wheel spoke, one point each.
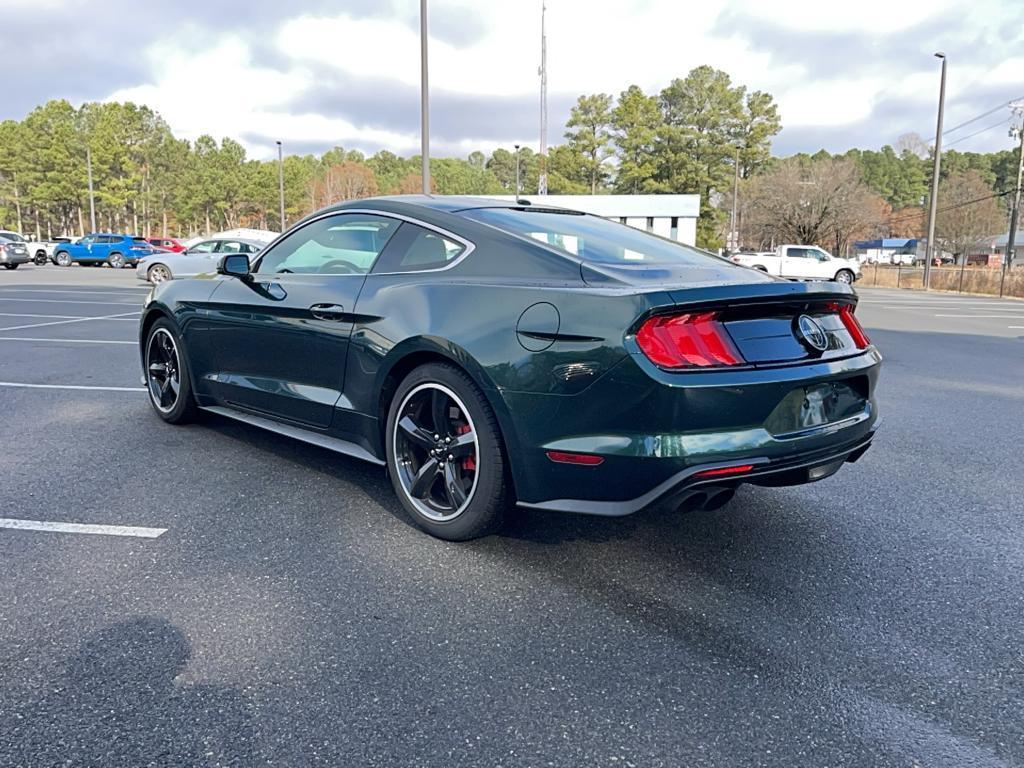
{"type": "Point", "coordinates": [439, 411]}
{"type": "Point", "coordinates": [415, 433]}
{"type": "Point", "coordinates": [174, 384]}
{"type": "Point", "coordinates": [158, 369]}
{"type": "Point", "coordinates": [462, 445]}
{"type": "Point", "coordinates": [453, 487]}
{"type": "Point", "coordinates": [424, 479]}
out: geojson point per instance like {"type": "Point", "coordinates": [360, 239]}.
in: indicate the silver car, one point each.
{"type": "Point", "coordinates": [13, 252]}
{"type": "Point", "coordinates": [201, 257]}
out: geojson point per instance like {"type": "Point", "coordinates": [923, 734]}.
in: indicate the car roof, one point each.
{"type": "Point", "coordinates": [445, 203]}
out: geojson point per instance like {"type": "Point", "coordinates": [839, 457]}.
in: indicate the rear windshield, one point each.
{"type": "Point", "coordinates": [590, 238]}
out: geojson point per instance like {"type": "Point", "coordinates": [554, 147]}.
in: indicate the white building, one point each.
{"type": "Point", "coordinates": [671, 216]}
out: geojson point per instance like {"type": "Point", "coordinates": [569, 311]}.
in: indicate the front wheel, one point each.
{"type": "Point", "coordinates": [844, 276]}
{"type": "Point", "coordinates": [116, 260]}
{"type": "Point", "coordinates": [167, 374]}
{"type": "Point", "coordinates": [445, 454]}
{"type": "Point", "coordinates": [760, 268]}
{"type": "Point", "coordinates": [63, 259]}
{"type": "Point", "coordinates": [40, 258]}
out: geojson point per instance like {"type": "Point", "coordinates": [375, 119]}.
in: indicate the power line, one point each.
{"type": "Point", "coordinates": [918, 213]}
{"type": "Point", "coordinates": [971, 135]}
{"type": "Point", "coordinates": [982, 115]}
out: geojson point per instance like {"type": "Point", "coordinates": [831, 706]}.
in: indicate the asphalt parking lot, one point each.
{"type": "Point", "coordinates": [265, 602]}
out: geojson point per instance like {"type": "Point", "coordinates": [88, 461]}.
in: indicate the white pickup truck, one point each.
{"type": "Point", "coordinates": [801, 262]}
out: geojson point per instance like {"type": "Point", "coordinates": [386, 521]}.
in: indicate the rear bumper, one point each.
{"type": "Point", "coordinates": [796, 469]}
{"type": "Point", "coordinates": [15, 258]}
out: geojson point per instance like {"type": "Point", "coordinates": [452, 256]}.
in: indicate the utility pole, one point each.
{"type": "Point", "coordinates": [517, 172]}
{"type": "Point", "coordinates": [542, 179]}
{"type": "Point", "coordinates": [424, 99]}
{"type": "Point", "coordinates": [280, 181]}
{"type": "Point", "coordinates": [733, 225]}
{"type": "Point", "coordinates": [92, 199]}
{"type": "Point", "coordinates": [930, 252]}
{"type": "Point", "coordinates": [1017, 132]}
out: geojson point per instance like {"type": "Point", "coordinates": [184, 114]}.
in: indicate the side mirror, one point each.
{"type": "Point", "coordinates": [234, 265]}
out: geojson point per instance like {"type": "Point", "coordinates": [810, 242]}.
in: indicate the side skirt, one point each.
{"type": "Point", "coordinates": [298, 433]}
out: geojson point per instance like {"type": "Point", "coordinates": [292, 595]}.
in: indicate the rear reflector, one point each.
{"type": "Point", "coordinates": [853, 325]}
{"type": "Point", "coordinates": [687, 341]}
{"type": "Point", "coordinates": [584, 459]}
{"type": "Point", "coordinates": [720, 471]}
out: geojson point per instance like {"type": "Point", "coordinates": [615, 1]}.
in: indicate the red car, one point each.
{"type": "Point", "coordinates": [166, 244]}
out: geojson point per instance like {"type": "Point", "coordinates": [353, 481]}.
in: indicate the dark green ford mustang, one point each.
{"type": "Point", "coordinates": [489, 353]}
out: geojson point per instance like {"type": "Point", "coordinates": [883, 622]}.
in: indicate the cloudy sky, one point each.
{"type": "Point", "coordinates": [316, 73]}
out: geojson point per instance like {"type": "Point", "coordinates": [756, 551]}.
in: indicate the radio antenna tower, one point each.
{"type": "Point", "coordinates": [542, 180]}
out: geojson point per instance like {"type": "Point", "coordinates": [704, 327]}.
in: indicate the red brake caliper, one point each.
{"type": "Point", "coordinates": [468, 463]}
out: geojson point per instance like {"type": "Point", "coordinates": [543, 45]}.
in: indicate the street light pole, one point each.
{"type": "Point", "coordinates": [92, 199]}
{"type": "Point", "coordinates": [930, 252]}
{"type": "Point", "coordinates": [517, 172]}
{"type": "Point", "coordinates": [280, 180]}
{"type": "Point", "coordinates": [424, 100]}
{"type": "Point", "coordinates": [1008, 257]}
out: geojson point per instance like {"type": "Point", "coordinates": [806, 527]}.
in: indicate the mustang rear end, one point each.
{"type": "Point", "coordinates": [769, 384]}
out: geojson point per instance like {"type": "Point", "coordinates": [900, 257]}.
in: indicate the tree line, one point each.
{"type": "Point", "coordinates": [701, 134]}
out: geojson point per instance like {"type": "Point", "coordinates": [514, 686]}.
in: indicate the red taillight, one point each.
{"type": "Point", "coordinates": [852, 324]}
{"type": "Point", "coordinates": [720, 471]}
{"type": "Point", "coordinates": [687, 341]}
{"type": "Point", "coordinates": [584, 459]}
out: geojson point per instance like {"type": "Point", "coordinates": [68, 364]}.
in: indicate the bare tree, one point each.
{"type": "Point", "coordinates": [914, 144]}
{"type": "Point", "coordinates": [822, 202]}
{"type": "Point", "coordinates": [968, 213]}
{"type": "Point", "coordinates": [344, 181]}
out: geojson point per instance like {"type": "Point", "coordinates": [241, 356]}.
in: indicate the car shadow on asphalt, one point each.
{"type": "Point", "coordinates": [120, 701]}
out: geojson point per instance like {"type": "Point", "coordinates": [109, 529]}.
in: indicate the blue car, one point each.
{"type": "Point", "coordinates": [100, 247]}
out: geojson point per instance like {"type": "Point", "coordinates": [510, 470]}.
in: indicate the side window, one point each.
{"type": "Point", "coordinates": [417, 248]}
{"type": "Point", "coordinates": [205, 247]}
{"type": "Point", "coordinates": [87, 240]}
{"type": "Point", "coordinates": [797, 253]}
{"type": "Point", "coordinates": [230, 246]}
{"type": "Point", "coordinates": [345, 244]}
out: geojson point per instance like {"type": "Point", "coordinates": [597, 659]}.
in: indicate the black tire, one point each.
{"type": "Point", "coordinates": [11, 266]}
{"type": "Point", "coordinates": [845, 276]}
{"type": "Point", "coordinates": [760, 268]}
{"type": "Point", "coordinates": [39, 259]}
{"type": "Point", "coordinates": [183, 407]}
{"type": "Point", "coordinates": [116, 260]}
{"type": "Point", "coordinates": [470, 420]}
{"type": "Point", "coordinates": [63, 259]}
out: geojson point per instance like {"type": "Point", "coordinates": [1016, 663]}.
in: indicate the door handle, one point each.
{"type": "Point", "coordinates": [327, 311]}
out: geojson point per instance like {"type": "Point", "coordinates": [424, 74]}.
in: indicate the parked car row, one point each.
{"type": "Point", "coordinates": [157, 258]}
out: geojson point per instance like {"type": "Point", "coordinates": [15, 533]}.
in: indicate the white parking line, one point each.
{"type": "Point", "coordinates": [89, 528]}
{"type": "Point", "coordinates": [58, 290]}
{"type": "Point", "coordinates": [1001, 317]}
{"type": "Point", "coordinates": [75, 301]}
{"type": "Point", "coordinates": [68, 317]}
{"type": "Point", "coordinates": [22, 385]}
{"type": "Point", "coordinates": [65, 322]}
{"type": "Point", "coordinates": [69, 341]}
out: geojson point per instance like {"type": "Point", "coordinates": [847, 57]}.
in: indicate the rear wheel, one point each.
{"type": "Point", "coordinates": [11, 266]}
{"type": "Point", "coordinates": [445, 454]}
{"type": "Point", "coordinates": [116, 260]}
{"type": "Point", "coordinates": [63, 259]}
{"type": "Point", "coordinates": [158, 273]}
{"type": "Point", "coordinates": [167, 374]}
{"type": "Point", "coordinates": [844, 276]}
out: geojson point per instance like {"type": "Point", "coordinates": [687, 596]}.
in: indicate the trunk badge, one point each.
{"type": "Point", "coordinates": [811, 334]}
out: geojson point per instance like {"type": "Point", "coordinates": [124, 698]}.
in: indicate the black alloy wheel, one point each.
{"type": "Point", "coordinates": [167, 379]}
{"type": "Point", "coordinates": [445, 454]}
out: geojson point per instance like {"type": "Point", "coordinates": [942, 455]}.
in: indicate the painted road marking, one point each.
{"type": "Point", "coordinates": [71, 341]}
{"type": "Point", "coordinates": [103, 530]}
{"type": "Point", "coordinates": [74, 301]}
{"type": "Point", "coordinates": [1000, 317]}
{"type": "Point", "coordinates": [65, 317]}
{"type": "Point", "coordinates": [59, 290]}
{"type": "Point", "coordinates": [65, 322]}
{"type": "Point", "coordinates": [22, 385]}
